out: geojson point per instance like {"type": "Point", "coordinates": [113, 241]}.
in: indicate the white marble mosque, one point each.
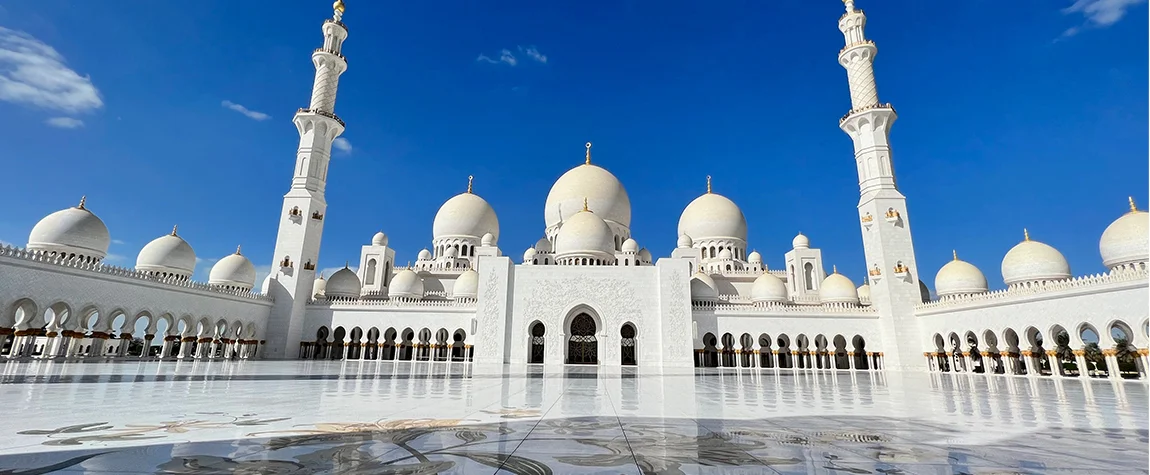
{"type": "Point", "coordinates": [587, 292]}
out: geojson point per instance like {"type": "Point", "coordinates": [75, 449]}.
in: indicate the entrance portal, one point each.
{"type": "Point", "coordinates": [582, 347]}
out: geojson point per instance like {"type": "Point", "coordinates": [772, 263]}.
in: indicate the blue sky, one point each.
{"type": "Point", "coordinates": [1021, 113]}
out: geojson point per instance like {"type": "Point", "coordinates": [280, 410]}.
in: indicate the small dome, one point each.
{"type": "Point", "coordinates": [266, 286]}
{"type": "Point", "coordinates": [801, 242]}
{"type": "Point", "coordinates": [726, 254]}
{"type": "Point", "coordinates": [465, 215]}
{"type": "Point", "coordinates": [318, 287]}
{"type": "Point", "coordinates": [703, 287]}
{"type": "Point", "coordinates": [344, 283]}
{"type": "Point", "coordinates": [168, 254]}
{"type": "Point", "coordinates": [466, 286]}
{"type": "Point", "coordinates": [604, 193]}
{"type": "Point", "coordinates": [233, 271]}
{"type": "Point", "coordinates": [424, 255]}
{"type": "Point", "coordinates": [585, 232]}
{"type": "Point", "coordinates": [1126, 240]}
{"type": "Point", "coordinates": [838, 288]}
{"type": "Point", "coordinates": [488, 240]}
{"type": "Point", "coordinates": [768, 288]}
{"type": "Point", "coordinates": [71, 231]}
{"type": "Point", "coordinates": [755, 258]}
{"type": "Point", "coordinates": [379, 239]}
{"type": "Point", "coordinates": [863, 292]}
{"type": "Point", "coordinates": [450, 253]}
{"type": "Point", "coordinates": [406, 284]}
{"type": "Point", "coordinates": [684, 240]}
{"type": "Point", "coordinates": [1033, 261]}
{"type": "Point", "coordinates": [644, 255]}
{"type": "Point", "coordinates": [543, 245]}
{"type": "Point", "coordinates": [959, 278]}
{"type": "Point", "coordinates": [630, 245]}
{"type": "Point", "coordinates": [528, 255]}
{"type": "Point", "coordinates": [713, 216]}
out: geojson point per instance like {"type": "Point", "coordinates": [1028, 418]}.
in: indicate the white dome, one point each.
{"type": "Point", "coordinates": [528, 255]}
{"type": "Point", "coordinates": [755, 258]}
{"type": "Point", "coordinates": [450, 253]}
{"type": "Point", "coordinates": [801, 242]}
{"type": "Point", "coordinates": [585, 232]}
{"type": "Point", "coordinates": [344, 283]}
{"type": "Point", "coordinates": [1033, 261]}
{"type": "Point", "coordinates": [405, 284]}
{"type": "Point", "coordinates": [266, 286]}
{"type": "Point", "coordinates": [685, 240]}
{"type": "Point", "coordinates": [959, 278]}
{"type": "Point", "coordinates": [379, 239]}
{"type": "Point", "coordinates": [543, 245]}
{"type": "Point", "coordinates": [838, 288]}
{"type": "Point", "coordinates": [863, 292]}
{"type": "Point", "coordinates": [168, 254]}
{"type": "Point", "coordinates": [233, 271]}
{"type": "Point", "coordinates": [466, 286]}
{"type": "Point", "coordinates": [726, 254]}
{"type": "Point", "coordinates": [1127, 239]}
{"type": "Point", "coordinates": [488, 240]}
{"type": "Point", "coordinates": [630, 245]}
{"type": "Point", "coordinates": [713, 216]}
{"type": "Point", "coordinates": [424, 255]}
{"type": "Point", "coordinates": [644, 255]}
{"type": "Point", "coordinates": [604, 193]}
{"type": "Point", "coordinates": [703, 287]}
{"type": "Point", "coordinates": [319, 286]}
{"type": "Point", "coordinates": [71, 231]}
{"type": "Point", "coordinates": [465, 215]}
{"type": "Point", "coordinates": [768, 288]}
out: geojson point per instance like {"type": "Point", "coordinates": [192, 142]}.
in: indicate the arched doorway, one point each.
{"type": "Point", "coordinates": [627, 344]}
{"type": "Point", "coordinates": [582, 347]}
{"type": "Point", "coordinates": [535, 343]}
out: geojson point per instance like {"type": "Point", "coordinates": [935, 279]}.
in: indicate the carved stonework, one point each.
{"type": "Point", "coordinates": [485, 339]}
{"type": "Point", "coordinates": [613, 299]}
{"type": "Point", "coordinates": [679, 320]}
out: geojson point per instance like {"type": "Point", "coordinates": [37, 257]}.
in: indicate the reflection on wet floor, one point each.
{"type": "Point", "coordinates": [296, 417]}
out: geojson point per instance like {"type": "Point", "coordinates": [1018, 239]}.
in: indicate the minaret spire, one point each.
{"type": "Point", "coordinates": [588, 161]}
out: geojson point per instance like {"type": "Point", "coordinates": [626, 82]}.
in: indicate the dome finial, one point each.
{"type": "Point", "coordinates": [83, 199]}
{"type": "Point", "coordinates": [338, 8]}
{"type": "Point", "coordinates": [585, 205]}
{"type": "Point", "coordinates": [588, 162]}
{"type": "Point", "coordinates": [174, 227]}
{"type": "Point", "coordinates": [469, 179]}
{"type": "Point", "coordinates": [708, 184]}
{"type": "Point", "coordinates": [238, 250]}
{"type": "Point", "coordinates": [1133, 207]}
{"type": "Point", "coordinates": [346, 264]}
{"type": "Point", "coordinates": [1025, 234]}
{"type": "Point", "coordinates": [834, 269]}
{"type": "Point", "coordinates": [850, 4]}
{"type": "Point", "coordinates": [955, 252]}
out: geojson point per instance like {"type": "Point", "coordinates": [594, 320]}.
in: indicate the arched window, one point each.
{"type": "Point", "coordinates": [387, 273]}
{"type": "Point", "coordinates": [809, 275]}
{"type": "Point", "coordinates": [369, 275]}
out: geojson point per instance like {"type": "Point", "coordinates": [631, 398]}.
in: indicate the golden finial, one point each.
{"type": "Point", "coordinates": [585, 205]}
{"type": "Point", "coordinates": [1133, 207]}
{"type": "Point", "coordinates": [238, 251]}
{"type": "Point", "coordinates": [469, 179]}
{"type": "Point", "coordinates": [83, 199]}
{"type": "Point", "coordinates": [708, 184]}
{"type": "Point", "coordinates": [1025, 234]}
{"type": "Point", "coordinates": [588, 162]}
{"type": "Point", "coordinates": [955, 252]}
{"type": "Point", "coordinates": [339, 8]}
{"type": "Point", "coordinates": [174, 226]}
{"type": "Point", "coordinates": [850, 4]}
{"type": "Point", "coordinates": [834, 269]}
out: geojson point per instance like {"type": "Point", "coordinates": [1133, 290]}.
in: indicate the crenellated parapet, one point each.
{"type": "Point", "coordinates": [467, 304]}
{"type": "Point", "coordinates": [1049, 289]}
{"type": "Point", "coordinates": [82, 265]}
{"type": "Point", "coordinates": [784, 308]}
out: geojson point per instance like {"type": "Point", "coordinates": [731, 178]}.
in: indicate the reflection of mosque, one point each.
{"type": "Point", "coordinates": [586, 292]}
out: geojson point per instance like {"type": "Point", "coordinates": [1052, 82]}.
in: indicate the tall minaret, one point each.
{"type": "Point", "coordinates": [301, 220]}
{"type": "Point", "coordinates": [883, 216]}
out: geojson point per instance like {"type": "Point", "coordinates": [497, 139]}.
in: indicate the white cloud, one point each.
{"type": "Point", "coordinates": [254, 115]}
{"type": "Point", "coordinates": [114, 259]}
{"type": "Point", "coordinates": [118, 241]}
{"type": "Point", "coordinates": [65, 122]}
{"type": "Point", "coordinates": [33, 73]}
{"type": "Point", "coordinates": [342, 144]}
{"type": "Point", "coordinates": [534, 54]}
{"type": "Point", "coordinates": [1098, 13]}
{"type": "Point", "coordinates": [505, 57]}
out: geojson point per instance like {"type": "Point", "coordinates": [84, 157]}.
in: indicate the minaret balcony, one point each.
{"type": "Point", "coordinates": [322, 113]}
{"type": "Point", "coordinates": [337, 22]}
{"type": "Point", "coordinates": [864, 109]}
{"type": "Point", "coordinates": [333, 53]}
{"type": "Point", "coordinates": [859, 43]}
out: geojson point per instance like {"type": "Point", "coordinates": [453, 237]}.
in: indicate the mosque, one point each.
{"type": "Point", "coordinates": [587, 292]}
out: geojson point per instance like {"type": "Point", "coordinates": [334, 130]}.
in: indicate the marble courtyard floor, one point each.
{"type": "Point", "coordinates": [374, 417]}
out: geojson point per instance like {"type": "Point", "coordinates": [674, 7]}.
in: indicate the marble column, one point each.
{"type": "Point", "coordinates": [1112, 365]}
{"type": "Point", "coordinates": [166, 350]}
{"type": "Point", "coordinates": [1083, 367]}
{"type": "Point", "coordinates": [147, 350]}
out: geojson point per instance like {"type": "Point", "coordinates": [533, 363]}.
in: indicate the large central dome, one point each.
{"type": "Point", "coordinates": [603, 192]}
